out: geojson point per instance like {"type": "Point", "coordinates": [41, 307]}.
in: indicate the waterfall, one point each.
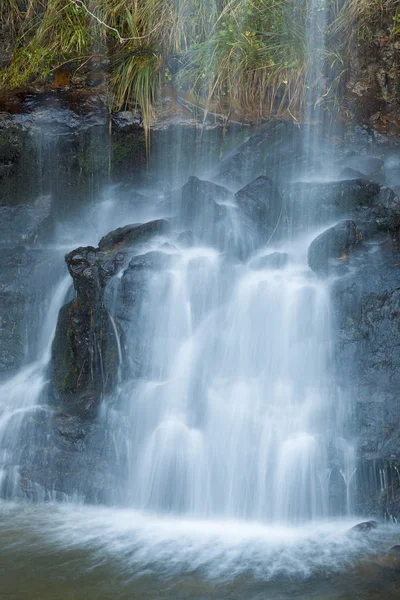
{"type": "Point", "coordinates": [24, 394]}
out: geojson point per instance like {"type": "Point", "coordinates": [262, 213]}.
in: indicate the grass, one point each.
{"type": "Point", "coordinates": [247, 56]}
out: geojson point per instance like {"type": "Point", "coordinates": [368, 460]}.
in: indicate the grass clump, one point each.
{"type": "Point", "coordinates": [250, 56]}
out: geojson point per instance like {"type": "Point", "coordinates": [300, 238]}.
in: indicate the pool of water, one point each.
{"type": "Point", "coordinates": [73, 552]}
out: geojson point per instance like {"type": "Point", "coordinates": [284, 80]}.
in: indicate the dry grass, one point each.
{"type": "Point", "coordinates": [247, 55]}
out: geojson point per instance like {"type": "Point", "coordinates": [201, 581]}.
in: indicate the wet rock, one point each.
{"type": "Point", "coordinates": [261, 202]}
{"type": "Point", "coordinates": [335, 242]}
{"type": "Point", "coordinates": [84, 358]}
{"type": "Point", "coordinates": [349, 173]}
{"type": "Point", "coordinates": [369, 165]}
{"type": "Point", "coordinates": [365, 527]}
{"type": "Point", "coordinates": [199, 201]}
{"type": "Point", "coordinates": [276, 260]}
{"type": "Point", "coordinates": [152, 260]}
{"type": "Point", "coordinates": [22, 224]}
{"type": "Point", "coordinates": [133, 234]}
{"type": "Point", "coordinates": [127, 119]}
{"type": "Point", "coordinates": [311, 203]}
{"type": "Point", "coordinates": [237, 170]}
{"type": "Point", "coordinates": [273, 149]}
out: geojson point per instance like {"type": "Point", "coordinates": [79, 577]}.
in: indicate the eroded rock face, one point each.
{"type": "Point", "coordinates": [20, 226]}
{"type": "Point", "coordinates": [366, 304]}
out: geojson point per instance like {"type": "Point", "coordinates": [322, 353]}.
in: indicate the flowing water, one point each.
{"type": "Point", "coordinates": [234, 470]}
{"type": "Point", "coordinates": [236, 413]}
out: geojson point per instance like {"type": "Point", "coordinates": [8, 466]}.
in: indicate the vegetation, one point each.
{"type": "Point", "coordinates": [250, 56]}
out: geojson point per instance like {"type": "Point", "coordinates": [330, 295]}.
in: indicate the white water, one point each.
{"type": "Point", "coordinates": [237, 413]}
{"type": "Point", "coordinates": [23, 394]}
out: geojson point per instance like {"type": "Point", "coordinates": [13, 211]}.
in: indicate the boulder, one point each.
{"type": "Point", "coordinates": [261, 204]}
{"type": "Point", "coordinates": [365, 527]}
{"type": "Point", "coordinates": [370, 165]}
{"type": "Point", "coordinates": [313, 203]}
{"type": "Point", "coordinates": [334, 243]}
{"type": "Point", "coordinates": [133, 234]}
{"type": "Point", "coordinates": [199, 202]}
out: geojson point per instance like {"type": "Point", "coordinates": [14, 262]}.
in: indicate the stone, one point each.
{"type": "Point", "coordinates": [133, 234]}
{"type": "Point", "coordinates": [335, 242]}
{"type": "Point", "coordinates": [261, 204]}
{"type": "Point", "coordinates": [365, 527]}
{"type": "Point", "coordinates": [349, 173]}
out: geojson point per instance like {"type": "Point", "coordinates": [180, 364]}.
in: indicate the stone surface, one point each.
{"type": "Point", "coordinates": [334, 243]}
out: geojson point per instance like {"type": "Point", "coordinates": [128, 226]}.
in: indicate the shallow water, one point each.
{"type": "Point", "coordinates": [57, 552]}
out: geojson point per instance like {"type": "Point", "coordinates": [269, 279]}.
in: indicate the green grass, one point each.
{"type": "Point", "coordinates": [246, 56]}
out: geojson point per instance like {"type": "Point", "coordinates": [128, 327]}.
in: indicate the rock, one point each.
{"type": "Point", "coordinates": [365, 527]}
{"type": "Point", "coordinates": [335, 242]}
{"type": "Point", "coordinates": [312, 203]}
{"type": "Point", "coordinates": [369, 165]}
{"type": "Point", "coordinates": [199, 209]}
{"type": "Point", "coordinates": [276, 260]}
{"type": "Point", "coordinates": [84, 358]}
{"type": "Point", "coordinates": [133, 234]}
{"type": "Point", "coordinates": [152, 260]}
{"type": "Point", "coordinates": [236, 170]}
{"type": "Point", "coordinates": [382, 214]}
{"type": "Point", "coordinates": [274, 148]}
{"type": "Point", "coordinates": [349, 173]}
{"type": "Point", "coordinates": [262, 205]}
{"type": "Point", "coordinates": [199, 202]}
{"type": "Point", "coordinates": [23, 223]}
{"type": "Point", "coordinates": [85, 355]}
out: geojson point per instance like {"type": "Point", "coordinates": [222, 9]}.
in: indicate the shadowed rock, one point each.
{"type": "Point", "coordinates": [365, 527]}
{"type": "Point", "coordinates": [133, 234]}
{"type": "Point", "coordinates": [335, 242]}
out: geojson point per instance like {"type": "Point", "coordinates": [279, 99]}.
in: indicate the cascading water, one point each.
{"type": "Point", "coordinates": [225, 439]}
{"type": "Point", "coordinates": [234, 411]}
{"type": "Point", "coordinates": [25, 393]}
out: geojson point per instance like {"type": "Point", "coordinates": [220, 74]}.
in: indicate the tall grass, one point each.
{"type": "Point", "coordinates": [242, 55]}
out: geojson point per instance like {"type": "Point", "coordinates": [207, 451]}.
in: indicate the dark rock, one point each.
{"type": "Point", "coordinates": [262, 204]}
{"type": "Point", "coordinates": [133, 234]}
{"type": "Point", "coordinates": [332, 243]}
{"type": "Point", "coordinates": [237, 170]}
{"type": "Point", "coordinates": [199, 201]}
{"type": "Point", "coordinates": [275, 148]}
{"type": "Point", "coordinates": [365, 526]}
{"type": "Point", "coordinates": [310, 204]}
{"type": "Point", "coordinates": [23, 223]}
{"type": "Point", "coordinates": [85, 358]}
{"type": "Point", "coordinates": [369, 165]}
{"type": "Point", "coordinates": [152, 260]}
{"type": "Point", "coordinates": [276, 260]}
{"type": "Point", "coordinates": [382, 214]}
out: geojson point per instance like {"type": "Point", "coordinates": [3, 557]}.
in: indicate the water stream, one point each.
{"type": "Point", "coordinates": [234, 471]}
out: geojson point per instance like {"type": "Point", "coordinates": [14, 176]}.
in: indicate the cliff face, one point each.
{"type": "Point", "coordinates": [373, 86]}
